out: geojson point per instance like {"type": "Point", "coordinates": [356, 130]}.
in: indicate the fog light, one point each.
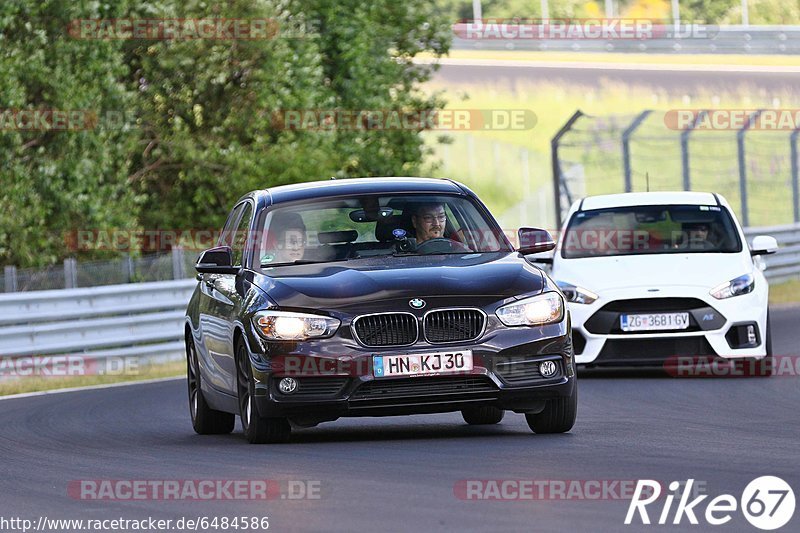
{"type": "Point", "coordinates": [547, 369]}
{"type": "Point", "coordinates": [751, 334]}
{"type": "Point", "coordinates": [287, 385]}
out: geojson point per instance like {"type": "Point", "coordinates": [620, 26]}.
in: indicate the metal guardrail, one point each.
{"type": "Point", "coordinates": [175, 264]}
{"type": "Point", "coordinates": [732, 39]}
{"type": "Point", "coordinates": [143, 320]}
{"type": "Point", "coordinates": [785, 264]}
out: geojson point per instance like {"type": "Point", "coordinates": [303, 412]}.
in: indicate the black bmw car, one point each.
{"type": "Point", "coordinates": [374, 297]}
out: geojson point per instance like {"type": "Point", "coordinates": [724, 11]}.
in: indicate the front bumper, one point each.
{"type": "Point", "coordinates": [715, 328]}
{"type": "Point", "coordinates": [505, 375]}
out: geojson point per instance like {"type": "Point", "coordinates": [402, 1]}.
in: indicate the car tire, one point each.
{"type": "Point", "coordinates": [558, 415]}
{"type": "Point", "coordinates": [257, 429]}
{"type": "Point", "coordinates": [482, 416]}
{"type": "Point", "coordinates": [205, 420]}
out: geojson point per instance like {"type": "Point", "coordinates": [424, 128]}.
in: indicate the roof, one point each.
{"type": "Point", "coordinates": [355, 186]}
{"type": "Point", "coordinates": [648, 198]}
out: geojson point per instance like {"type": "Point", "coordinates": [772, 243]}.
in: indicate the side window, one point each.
{"type": "Point", "coordinates": [226, 237]}
{"type": "Point", "coordinates": [241, 234]}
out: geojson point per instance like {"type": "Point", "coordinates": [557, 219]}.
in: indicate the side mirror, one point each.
{"type": "Point", "coordinates": [216, 261]}
{"type": "Point", "coordinates": [763, 245]}
{"type": "Point", "coordinates": [534, 241]}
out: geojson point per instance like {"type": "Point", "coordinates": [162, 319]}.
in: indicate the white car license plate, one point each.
{"type": "Point", "coordinates": [384, 366]}
{"type": "Point", "coordinates": [654, 321]}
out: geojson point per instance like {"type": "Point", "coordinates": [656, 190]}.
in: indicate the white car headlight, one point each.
{"type": "Point", "coordinates": [283, 325]}
{"type": "Point", "coordinates": [546, 308]}
{"type": "Point", "coordinates": [577, 295]}
{"type": "Point", "coordinates": [735, 287]}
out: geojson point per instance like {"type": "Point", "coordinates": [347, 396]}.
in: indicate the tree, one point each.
{"type": "Point", "coordinates": [199, 126]}
{"type": "Point", "coordinates": [207, 136]}
{"type": "Point", "coordinates": [53, 180]}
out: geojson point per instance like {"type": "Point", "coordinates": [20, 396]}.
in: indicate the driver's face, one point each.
{"type": "Point", "coordinates": [429, 223]}
{"type": "Point", "coordinates": [699, 233]}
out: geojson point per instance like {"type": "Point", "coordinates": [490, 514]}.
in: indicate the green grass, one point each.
{"type": "Point", "coordinates": [35, 384]}
{"type": "Point", "coordinates": [490, 161]}
{"type": "Point", "coordinates": [785, 293]}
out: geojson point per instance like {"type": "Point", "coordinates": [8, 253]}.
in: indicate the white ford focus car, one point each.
{"type": "Point", "coordinates": [654, 275]}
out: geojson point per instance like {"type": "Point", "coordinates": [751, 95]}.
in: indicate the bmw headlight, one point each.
{"type": "Point", "coordinates": [577, 295]}
{"type": "Point", "coordinates": [547, 308]}
{"type": "Point", "coordinates": [283, 325]}
{"type": "Point", "coordinates": [735, 287]}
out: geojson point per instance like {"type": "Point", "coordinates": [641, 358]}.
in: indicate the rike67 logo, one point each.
{"type": "Point", "coordinates": [767, 503]}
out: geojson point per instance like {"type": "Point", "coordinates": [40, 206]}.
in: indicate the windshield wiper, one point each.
{"type": "Point", "coordinates": [302, 262]}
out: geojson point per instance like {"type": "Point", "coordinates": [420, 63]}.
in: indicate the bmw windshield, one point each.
{"type": "Point", "coordinates": [650, 230]}
{"type": "Point", "coordinates": [375, 226]}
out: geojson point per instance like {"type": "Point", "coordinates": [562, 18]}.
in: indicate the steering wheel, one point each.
{"type": "Point", "coordinates": [441, 245]}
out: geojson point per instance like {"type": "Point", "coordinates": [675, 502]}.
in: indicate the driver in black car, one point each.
{"type": "Point", "coordinates": [429, 221]}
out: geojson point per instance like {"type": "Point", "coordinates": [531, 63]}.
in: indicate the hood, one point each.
{"type": "Point", "coordinates": [467, 280]}
{"type": "Point", "coordinates": [657, 270]}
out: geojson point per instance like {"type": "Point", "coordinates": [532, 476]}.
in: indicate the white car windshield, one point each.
{"type": "Point", "coordinates": [650, 230]}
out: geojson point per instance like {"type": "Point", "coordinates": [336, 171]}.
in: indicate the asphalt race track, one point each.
{"type": "Point", "coordinates": [672, 81]}
{"type": "Point", "coordinates": [398, 474]}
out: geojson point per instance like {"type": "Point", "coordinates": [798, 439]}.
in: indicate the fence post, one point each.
{"type": "Point", "coordinates": [557, 164]}
{"type": "Point", "coordinates": [471, 156]}
{"type": "Point", "coordinates": [178, 270]}
{"type": "Point", "coordinates": [127, 268]}
{"type": "Point", "coordinates": [687, 180]}
{"type": "Point", "coordinates": [496, 160]}
{"type": "Point", "coordinates": [626, 148]}
{"type": "Point", "coordinates": [795, 180]}
{"type": "Point", "coordinates": [524, 156]}
{"type": "Point", "coordinates": [10, 277]}
{"type": "Point", "coordinates": [742, 168]}
{"type": "Point", "coordinates": [70, 273]}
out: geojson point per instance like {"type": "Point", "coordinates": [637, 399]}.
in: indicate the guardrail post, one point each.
{"type": "Point", "coordinates": [687, 179]}
{"type": "Point", "coordinates": [10, 278]}
{"type": "Point", "coordinates": [795, 179]}
{"type": "Point", "coordinates": [626, 147]}
{"type": "Point", "coordinates": [742, 168]}
{"type": "Point", "coordinates": [178, 269]}
{"type": "Point", "coordinates": [70, 273]}
{"type": "Point", "coordinates": [557, 164]}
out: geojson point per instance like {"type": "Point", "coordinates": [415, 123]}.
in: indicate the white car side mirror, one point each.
{"type": "Point", "coordinates": [763, 245]}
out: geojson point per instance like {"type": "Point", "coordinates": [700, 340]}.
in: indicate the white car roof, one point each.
{"type": "Point", "coordinates": [649, 198]}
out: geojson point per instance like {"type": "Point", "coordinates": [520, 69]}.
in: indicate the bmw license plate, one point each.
{"type": "Point", "coordinates": [654, 321]}
{"type": "Point", "coordinates": [385, 366]}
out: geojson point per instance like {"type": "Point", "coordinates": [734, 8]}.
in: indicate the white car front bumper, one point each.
{"type": "Point", "coordinates": [617, 347]}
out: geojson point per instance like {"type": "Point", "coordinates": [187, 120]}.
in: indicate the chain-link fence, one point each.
{"type": "Point", "coordinates": [176, 264]}
{"type": "Point", "coordinates": [754, 168]}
